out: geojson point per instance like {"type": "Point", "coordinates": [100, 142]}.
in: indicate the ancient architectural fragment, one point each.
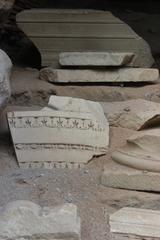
{"type": "Point", "coordinates": [134, 114]}
{"type": "Point", "coordinates": [95, 58]}
{"type": "Point", "coordinates": [27, 220]}
{"type": "Point", "coordinates": [136, 223]}
{"type": "Point", "coordinates": [68, 133]}
{"type": "Point", "coordinates": [5, 71]}
{"type": "Point", "coordinates": [112, 75]}
{"type": "Point", "coordinates": [142, 151]}
{"type": "Point", "coordinates": [54, 31]}
{"type": "Point", "coordinates": [122, 177]}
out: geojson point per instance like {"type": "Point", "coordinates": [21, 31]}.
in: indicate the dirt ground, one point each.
{"type": "Point", "coordinates": [81, 187]}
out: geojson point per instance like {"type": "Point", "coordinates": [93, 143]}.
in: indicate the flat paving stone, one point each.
{"type": "Point", "coordinates": [95, 58]}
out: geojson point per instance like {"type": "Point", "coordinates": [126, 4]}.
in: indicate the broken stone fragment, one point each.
{"type": "Point", "coordinates": [122, 177]}
{"type": "Point", "coordinates": [142, 151]}
{"type": "Point", "coordinates": [27, 220]}
{"type": "Point", "coordinates": [109, 75]}
{"type": "Point", "coordinates": [95, 58]}
{"type": "Point", "coordinates": [136, 223]}
{"type": "Point", "coordinates": [5, 71]}
{"type": "Point", "coordinates": [133, 114]}
{"type": "Point", "coordinates": [68, 133]}
{"type": "Point", "coordinates": [60, 30]}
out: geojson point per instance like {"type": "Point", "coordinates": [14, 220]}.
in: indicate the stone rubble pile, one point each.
{"type": "Point", "coordinates": [69, 132]}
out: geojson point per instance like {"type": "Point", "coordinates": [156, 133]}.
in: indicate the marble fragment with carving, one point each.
{"type": "Point", "coordinates": [141, 151]}
{"type": "Point", "coordinates": [66, 134]}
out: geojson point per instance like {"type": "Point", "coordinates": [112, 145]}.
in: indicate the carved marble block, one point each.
{"type": "Point", "coordinates": [5, 71]}
{"type": "Point", "coordinates": [25, 220]}
{"type": "Point", "coordinates": [141, 151]}
{"type": "Point", "coordinates": [68, 133]}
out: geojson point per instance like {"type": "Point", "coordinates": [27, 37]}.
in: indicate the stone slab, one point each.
{"type": "Point", "coordinates": [135, 114]}
{"type": "Point", "coordinates": [54, 31]}
{"type": "Point", "coordinates": [122, 177]}
{"type": "Point", "coordinates": [136, 222]}
{"type": "Point", "coordinates": [27, 220]}
{"type": "Point", "coordinates": [95, 58]}
{"type": "Point", "coordinates": [66, 134]}
{"type": "Point", "coordinates": [99, 76]}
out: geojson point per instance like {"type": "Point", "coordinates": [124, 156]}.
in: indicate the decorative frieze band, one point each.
{"type": "Point", "coordinates": [51, 165]}
{"type": "Point", "coordinates": [51, 146]}
{"type": "Point", "coordinates": [54, 122]}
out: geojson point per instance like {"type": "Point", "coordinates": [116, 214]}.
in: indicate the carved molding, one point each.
{"type": "Point", "coordinates": [51, 165]}
{"type": "Point", "coordinates": [51, 146]}
{"type": "Point", "coordinates": [54, 122]}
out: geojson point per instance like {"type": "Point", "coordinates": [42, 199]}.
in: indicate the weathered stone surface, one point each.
{"type": "Point", "coordinates": [5, 71]}
{"type": "Point", "coordinates": [116, 75]}
{"type": "Point", "coordinates": [123, 177]}
{"type": "Point", "coordinates": [27, 220]}
{"type": "Point", "coordinates": [142, 151]}
{"type": "Point", "coordinates": [136, 222]}
{"type": "Point", "coordinates": [134, 114]}
{"type": "Point", "coordinates": [68, 133]}
{"type": "Point", "coordinates": [54, 31]}
{"type": "Point", "coordinates": [95, 58]}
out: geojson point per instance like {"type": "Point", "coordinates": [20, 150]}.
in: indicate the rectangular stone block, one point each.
{"type": "Point", "coordinates": [122, 177]}
{"type": "Point", "coordinates": [95, 58]}
{"type": "Point", "coordinates": [85, 76]}
{"type": "Point", "coordinates": [136, 222]}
